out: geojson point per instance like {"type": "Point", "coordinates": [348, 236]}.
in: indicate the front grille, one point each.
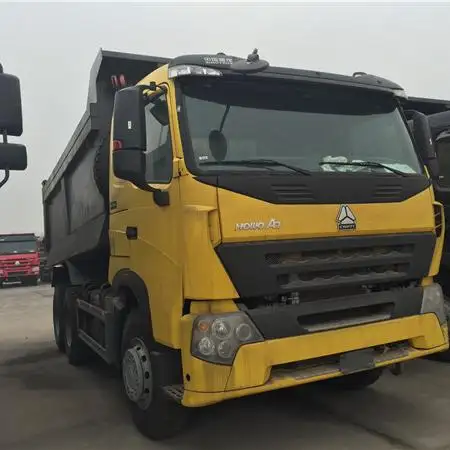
{"type": "Point", "coordinates": [341, 266]}
{"type": "Point", "coordinates": [12, 263]}
{"type": "Point", "coordinates": [313, 265]}
{"type": "Point", "coordinates": [290, 193]}
{"type": "Point", "coordinates": [358, 264]}
{"type": "Point", "coordinates": [388, 192]}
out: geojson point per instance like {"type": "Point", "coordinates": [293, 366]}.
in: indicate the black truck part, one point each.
{"type": "Point", "coordinates": [76, 194]}
{"type": "Point", "coordinates": [426, 106]}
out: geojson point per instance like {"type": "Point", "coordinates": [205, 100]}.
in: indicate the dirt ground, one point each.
{"type": "Point", "coordinates": [46, 404]}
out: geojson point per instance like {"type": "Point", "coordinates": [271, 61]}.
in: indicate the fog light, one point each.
{"type": "Point", "coordinates": [225, 350]}
{"type": "Point", "coordinates": [433, 302]}
{"type": "Point", "coordinates": [206, 346]}
{"type": "Point", "coordinates": [244, 332]}
{"type": "Point", "coordinates": [221, 329]}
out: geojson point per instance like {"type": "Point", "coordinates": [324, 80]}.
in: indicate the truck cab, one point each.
{"type": "Point", "coordinates": [19, 258]}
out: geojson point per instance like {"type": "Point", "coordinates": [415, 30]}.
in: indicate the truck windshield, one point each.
{"type": "Point", "coordinates": [14, 247]}
{"type": "Point", "coordinates": [311, 127]}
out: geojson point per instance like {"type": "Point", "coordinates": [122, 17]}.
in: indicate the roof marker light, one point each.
{"type": "Point", "coordinates": [189, 70]}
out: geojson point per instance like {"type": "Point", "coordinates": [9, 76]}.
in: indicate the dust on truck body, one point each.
{"type": "Point", "coordinates": [221, 228]}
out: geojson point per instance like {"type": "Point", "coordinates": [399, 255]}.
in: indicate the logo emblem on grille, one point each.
{"type": "Point", "coordinates": [17, 263]}
{"type": "Point", "coordinates": [346, 220]}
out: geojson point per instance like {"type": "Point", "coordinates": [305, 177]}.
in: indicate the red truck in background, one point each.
{"type": "Point", "coordinates": [19, 258]}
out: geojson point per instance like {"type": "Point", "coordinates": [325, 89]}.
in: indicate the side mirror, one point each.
{"type": "Point", "coordinates": [424, 141]}
{"type": "Point", "coordinates": [13, 157]}
{"type": "Point", "coordinates": [134, 159]}
{"type": "Point", "coordinates": [10, 105]}
{"type": "Point", "coordinates": [128, 138]}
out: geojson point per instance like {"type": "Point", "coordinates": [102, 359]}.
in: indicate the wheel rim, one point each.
{"type": "Point", "coordinates": [137, 373]}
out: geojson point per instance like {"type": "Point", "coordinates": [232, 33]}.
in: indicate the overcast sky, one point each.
{"type": "Point", "coordinates": [51, 48]}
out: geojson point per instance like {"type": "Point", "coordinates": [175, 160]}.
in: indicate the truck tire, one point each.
{"type": "Point", "coordinates": [445, 355]}
{"type": "Point", "coordinates": [155, 415]}
{"type": "Point", "coordinates": [78, 353]}
{"type": "Point", "coordinates": [355, 381]}
{"type": "Point", "coordinates": [33, 281]}
{"type": "Point", "coordinates": [58, 316]}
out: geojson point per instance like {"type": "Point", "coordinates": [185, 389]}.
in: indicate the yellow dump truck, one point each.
{"type": "Point", "coordinates": [218, 227]}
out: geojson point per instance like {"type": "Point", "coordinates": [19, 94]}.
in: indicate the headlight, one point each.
{"type": "Point", "coordinates": [35, 269]}
{"type": "Point", "coordinates": [433, 302]}
{"type": "Point", "coordinates": [217, 338]}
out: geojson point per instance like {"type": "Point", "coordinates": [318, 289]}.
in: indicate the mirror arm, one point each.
{"type": "Point", "coordinates": [145, 187]}
{"type": "Point", "coordinates": [5, 178]}
{"type": "Point", "coordinates": [6, 175]}
{"type": "Point", "coordinates": [153, 87]}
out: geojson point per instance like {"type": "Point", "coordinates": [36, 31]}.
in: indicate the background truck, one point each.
{"type": "Point", "coordinates": [242, 228]}
{"type": "Point", "coordinates": [19, 258]}
{"type": "Point", "coordinates": [438, 112]}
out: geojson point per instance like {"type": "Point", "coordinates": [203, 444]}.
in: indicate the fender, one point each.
{"type": "Point", "coordinates": [168, 358]}
{"type": "Point", "coordinates": [60, 275]}
{"type": "Point", "coordinates": [128, 279]}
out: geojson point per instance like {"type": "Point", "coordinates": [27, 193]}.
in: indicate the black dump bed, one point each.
{"type": "Point", "coordinates": [427, 106]}
{"type": "Point", "coordinates": [437, 110]}
{"type": "Point", "coordinates": [76, 194]}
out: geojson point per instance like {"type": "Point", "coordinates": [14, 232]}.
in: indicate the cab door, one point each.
{"type": "Point", "coordinates": [145, 223]}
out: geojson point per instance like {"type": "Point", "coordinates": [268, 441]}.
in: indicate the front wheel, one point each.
{"type": "Point", "coordinates": [155, 414]}
{"type": "Point", "coordinates": [355, 381]}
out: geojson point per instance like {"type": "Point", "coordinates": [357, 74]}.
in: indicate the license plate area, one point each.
{"type": "Point", "coordinates": [357, 361]}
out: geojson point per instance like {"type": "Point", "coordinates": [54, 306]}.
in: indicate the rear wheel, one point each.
{"type": "Point", "coordinates": [154, 413]}
{"type": "Point", "coordinates": [58, 316]}
{"type": "Point", "coordinates": [78, 353]}
{"type": "Point", "coordinates": [355, 381]}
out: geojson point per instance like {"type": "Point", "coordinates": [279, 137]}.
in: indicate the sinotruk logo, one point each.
{"type": "Point", "coordinates": [346, 220]}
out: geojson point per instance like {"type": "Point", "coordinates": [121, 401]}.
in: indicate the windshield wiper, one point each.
{"type": "Point", "coordinates": [364, 164]}
{"type": "Point", "coordinates": [257, 162]}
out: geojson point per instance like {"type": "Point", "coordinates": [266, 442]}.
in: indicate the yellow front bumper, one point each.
{"type": "Point", "coordinates": [267, 365]}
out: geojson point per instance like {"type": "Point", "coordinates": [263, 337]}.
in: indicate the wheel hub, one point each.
{"type": "Point", "coordinates": [136, 374]}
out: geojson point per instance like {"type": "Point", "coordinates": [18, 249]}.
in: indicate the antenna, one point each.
{"type": "Point", "coordinates": [253, 57]}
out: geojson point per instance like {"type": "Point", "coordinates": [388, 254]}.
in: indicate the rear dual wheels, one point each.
{"type": "Point", "coordinates": [65, 327]}
{"type": "Point", "coordinates": [154, 413]}
{"type": "Point", "coordinates": [58, 319]}
{"type": "Point", "coordinates": [78, 353]}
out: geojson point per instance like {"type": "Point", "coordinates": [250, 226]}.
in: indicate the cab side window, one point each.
{"type": "Point", "coordinates": [159, 157]}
